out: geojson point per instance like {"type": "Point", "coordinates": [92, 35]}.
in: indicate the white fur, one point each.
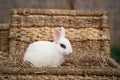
{"type": "Point", "coordinates": [45, 53]}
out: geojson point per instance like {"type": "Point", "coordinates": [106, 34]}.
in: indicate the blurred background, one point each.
{"type": "Point", "coordinates": [111, 6]}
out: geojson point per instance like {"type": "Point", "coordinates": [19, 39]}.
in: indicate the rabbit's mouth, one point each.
{"type": "Point", "coordinates": [69, 55]}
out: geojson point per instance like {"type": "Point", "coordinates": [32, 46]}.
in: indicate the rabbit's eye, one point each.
{"type": "Point", "coordinates": [63, 46]}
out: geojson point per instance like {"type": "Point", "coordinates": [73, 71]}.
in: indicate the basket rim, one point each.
{"type": "Point", "coordinates": [61, 71]}
{"type": "Point", "coordinates": [58, 12]}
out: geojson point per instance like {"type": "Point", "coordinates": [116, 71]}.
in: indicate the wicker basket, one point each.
{"type": "Point", "coordinates": [88, 32]}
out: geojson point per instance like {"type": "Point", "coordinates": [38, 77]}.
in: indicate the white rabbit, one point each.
{"type": "Point", "coordinates": [49, 54]}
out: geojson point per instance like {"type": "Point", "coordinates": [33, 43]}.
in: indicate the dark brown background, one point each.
{"type": "Point", "coordinates": [112, 6]}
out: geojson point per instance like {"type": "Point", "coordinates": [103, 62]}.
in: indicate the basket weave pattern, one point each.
{"type": "Point", "coordinates": [87, 31]}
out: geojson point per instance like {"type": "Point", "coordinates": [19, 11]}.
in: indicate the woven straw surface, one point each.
{"type": "Point", "coordinates": [88, 32]}
{"type": "Point", "coordinates": [54, 77]}
{"type": "Point", "coordinates": [4, 31]}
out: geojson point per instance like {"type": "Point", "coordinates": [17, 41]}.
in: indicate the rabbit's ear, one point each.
{"type": "Point", "coordinates": [62, 32]}
{"type": "Point", "coordinates": [56, 35]}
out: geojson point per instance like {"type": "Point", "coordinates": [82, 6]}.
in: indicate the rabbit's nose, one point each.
{"type": "Point", "coordinates": [70, 52]}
